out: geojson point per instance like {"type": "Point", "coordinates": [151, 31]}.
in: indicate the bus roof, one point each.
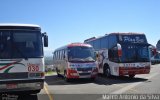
{"type": "Point", "coordinates": [74, 45]}
{"type": "Point", "coordinates": [79, 44]}
{"type": "Point", "coordinates": [17, 24]}
{"type": "Point", "coordinates": [116, 33]}
{"type": "Point", "coordinates": [127, 33]}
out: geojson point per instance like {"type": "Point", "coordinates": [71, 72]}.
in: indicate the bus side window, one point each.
{"type": "Point", "coordinates": [54, 56]}
{"type": "Point", "coordinates": [112, 41]}
{"type": "Point", "coordinates": [63, 55]}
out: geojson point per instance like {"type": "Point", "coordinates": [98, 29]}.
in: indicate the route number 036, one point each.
{"type": "Point", "coordinates": [33, 67]}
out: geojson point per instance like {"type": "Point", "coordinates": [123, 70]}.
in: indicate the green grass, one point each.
{"type": "Point", "coordinates": [50, 73]}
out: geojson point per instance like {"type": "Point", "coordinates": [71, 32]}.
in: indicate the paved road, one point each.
{"type": "Point", "coordinates": [141, 84]}
{"type": "Point", "coordinates": [57, 89]}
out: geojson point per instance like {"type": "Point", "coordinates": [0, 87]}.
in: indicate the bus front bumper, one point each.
{"type": "Point", "coordinates": [21, 85]}
{"type": "Point", "coordinates": [82, 74]}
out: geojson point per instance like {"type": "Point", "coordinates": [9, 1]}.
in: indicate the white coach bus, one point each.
{"type": "Point", "coordinates": [22, 58]}
{"type": "Point", "coordinates": [122, 54]}
{"type": "Point", "coordinates": [76, 60]}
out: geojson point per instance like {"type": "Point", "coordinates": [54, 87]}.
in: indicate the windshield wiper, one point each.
{"type": "Point", "coordinates": [19, 51]}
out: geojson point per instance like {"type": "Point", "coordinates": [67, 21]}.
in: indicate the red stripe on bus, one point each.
{"type": "Point", "coordinates": [133, 70]}
{"type": "Point", "coordinates": [79, 44]}
{"type": "Point", "coordinates": [7, 65]}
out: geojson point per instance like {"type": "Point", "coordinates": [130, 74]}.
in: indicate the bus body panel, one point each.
{"type": "Point", "coordinates": [21, 75]}
{"type": "Point", "coordinates": [114, 68]}
{"type": "Point", "coordinates": [21, 65]}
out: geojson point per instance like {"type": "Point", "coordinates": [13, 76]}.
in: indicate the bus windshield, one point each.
{"type": "Point", "coordinates": [134, 53]}
{"type": "Point", "coordinates": [81, 54]}
{"type": "Point", "coordinates": [20, 44]}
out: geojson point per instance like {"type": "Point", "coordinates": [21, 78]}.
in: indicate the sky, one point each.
{"type": "Point", "coordinates": [67, 21]}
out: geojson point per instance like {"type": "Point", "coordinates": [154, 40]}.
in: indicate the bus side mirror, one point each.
{"type": "Point", "coordinates": [45, 39]}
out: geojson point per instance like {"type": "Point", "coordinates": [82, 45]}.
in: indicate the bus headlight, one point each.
{"type": "Point", "coordinates": [72, 71]}
{"type": "Point", "coordinates": [36, 75]}
{"type": "Point", "coordinates": [72, 67]}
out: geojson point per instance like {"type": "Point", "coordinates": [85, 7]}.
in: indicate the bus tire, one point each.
{"type": "Point", "coordinates": [57, 73]}
{"type": "Point", "coordinates": [132, 76]}
{"type": "Point", "coordinates": [65, 77]}
{"type": "Point", "coordinates": [106, 71]}
{"type": "Point", "coordinates": [29, 92]}
{"type": "Point", "coordinates": [92, 79]}
{"type": "Point", "coordinates": [36, 91]}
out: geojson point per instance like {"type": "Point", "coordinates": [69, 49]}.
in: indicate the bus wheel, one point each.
{"type": "Point", "coordinates": [57, 73]}
{"type": "Point", "coordinates": [65, 77]}
{"type": "Point", "coordinates": [131, 76]}
{"type": "Point", "coordinates": [36, 91]}
{"type": "Point", "coordinates": [92, 79]}
{"type": "Point", "coordinates": [107, 71]}
{"type": "Point", "coordinates": [29, 92]}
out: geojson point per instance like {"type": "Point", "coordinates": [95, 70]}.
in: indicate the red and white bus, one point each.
{"type": "Point", "coordinates": [122, 54]}
{"type": "Point", "coordinates": [76, 60]}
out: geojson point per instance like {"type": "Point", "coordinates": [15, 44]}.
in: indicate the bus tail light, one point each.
{"type": "Point", "coordinates": [119, 50]}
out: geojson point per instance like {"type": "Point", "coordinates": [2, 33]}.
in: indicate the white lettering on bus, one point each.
{"type": "Point", "coordinates": [134, 40]}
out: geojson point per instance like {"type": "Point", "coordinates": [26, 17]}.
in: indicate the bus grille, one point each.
{"type": "Point", "coordinates": [7, 76]}
{"type": "Point", "coordinates": [84, 69]}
